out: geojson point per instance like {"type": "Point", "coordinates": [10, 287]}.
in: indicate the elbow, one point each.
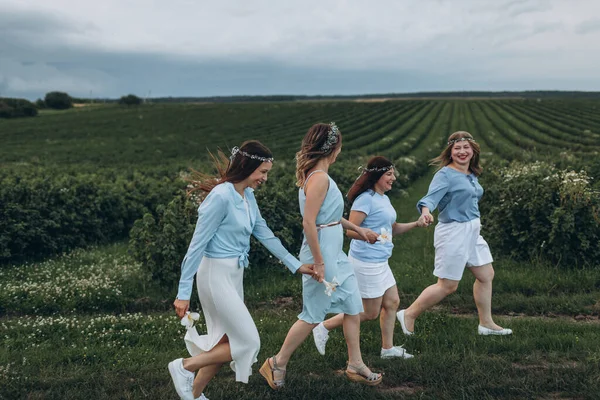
{"type": "Point", "coordinates": [306, 224]}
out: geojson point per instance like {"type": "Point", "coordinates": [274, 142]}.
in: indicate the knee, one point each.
{"type": "Point", "coordinates": [486, 277]}
{"type": "Point", "coordinates": [371, 314]}
{"type": "Point", "coordinates": [450, 287]}
{"type": "Point", "coordinates": [391, 304]}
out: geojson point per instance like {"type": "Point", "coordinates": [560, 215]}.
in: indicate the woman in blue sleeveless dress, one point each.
{"type": "Point", "coordinates": [336, 291]}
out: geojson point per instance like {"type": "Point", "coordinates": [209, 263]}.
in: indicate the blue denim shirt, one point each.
{"type": "Point", "coordinates": [455, 194]}
{"type": "Point", "coordinates": [225, 223]}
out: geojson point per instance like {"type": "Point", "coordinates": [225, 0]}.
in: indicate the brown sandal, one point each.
{"type": "Point", "coordinates": [268, 373]}
{"type": "Point", "coordinates": [360, 375]}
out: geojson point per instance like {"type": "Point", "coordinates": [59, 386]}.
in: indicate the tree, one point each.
{"type": "Point", "coordinates": [58, 100]}
{"type": "Point", "coordinates": [39, 103]}
{"type": "Point", "coordinates": [130, 100]}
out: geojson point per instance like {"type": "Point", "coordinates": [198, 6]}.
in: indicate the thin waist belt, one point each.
{"type": "Point", "coordinates": [323, 226]}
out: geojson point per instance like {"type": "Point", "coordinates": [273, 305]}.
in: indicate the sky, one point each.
{"type": "Point", "coordinates": [155, 48]}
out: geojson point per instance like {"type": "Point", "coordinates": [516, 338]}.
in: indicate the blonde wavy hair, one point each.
{"type": "Point", "coordinates": [311, 150]}
{"type": "Point", "coordinates": [445, 156]}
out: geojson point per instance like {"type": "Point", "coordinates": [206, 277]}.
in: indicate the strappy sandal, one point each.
{"type": "Point", "coordinates": [360, 375]}
{"type": "Point", "coordinates": [268, 373]}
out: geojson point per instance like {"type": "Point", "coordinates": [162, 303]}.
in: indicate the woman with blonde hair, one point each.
{"type": "Point", "coordinates": [322, 207]}
{"type": "Point", "coordinates": [456, 191]}
{"type": "Point", "coordinates": [218, 255]}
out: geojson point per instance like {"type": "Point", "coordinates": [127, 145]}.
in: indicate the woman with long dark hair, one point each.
{"type": "Point", "coordinates": [322, 207]}
{"type": "Point", "coordinates": [372, 209]}
{"type": "Point", "coordinates": [217, 255]}
{"type": "Point", "coordinates": [456, 191]}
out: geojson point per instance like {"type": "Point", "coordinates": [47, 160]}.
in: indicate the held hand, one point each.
{"type": "Point", "coordinates": [364, 234]}
{"type": "Point", "coordinates": [421, 222]}
{"type": "Point", "coordinates": [181, 306]}
{"type": "Point", "coordinates": [307, 269]}
{"type": "Point", "coordinates": [371, 236]}
{"type": "Point", "coordinates": [427, 217]}
{"type": "Point", "coordinates": [319, 272]}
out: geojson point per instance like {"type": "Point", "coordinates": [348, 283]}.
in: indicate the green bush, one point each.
{"type": "Point", "coordinates": [130, 100]}
{"type": "Point", "coordinates": [538, 210]}
{"type": "Point", "coordinates": [48, 211]}
{"type": "Point", "coordinates": [15, 108]}
{"type": "Point", "coordinates": [58, 100]}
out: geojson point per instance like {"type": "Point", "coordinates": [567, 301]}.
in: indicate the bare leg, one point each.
{"type": "Point", "coordinates": [429, 297]}
{"type": "Point", "coordinates": [297, 334]}
{"type": "Point", "coordinates": [389, 305]}
{"type": "Point", "coordinates": [482, 293]}
{"type": "Point", "coordinates": [219, 354]}
{"type": "Point", "coordinates": [371, 307]}
{"type": "Point", "coordinates": [352, 335]}
{"type": "Point", "coordinates": [204, 376]}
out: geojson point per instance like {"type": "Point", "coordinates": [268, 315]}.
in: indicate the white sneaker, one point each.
{"type": "Point", "coordinates": [321, 336]}
{"type": "Point", "coordinates": [202, 397]}
{"type": "Point", "coordinates": [182, 379]}
{"type": "Point", "coordinates": [396, 351]}
{"type": "Point", "coordinates": [400, 316]}
{"type": "Point", "coordinates": [482, 330]}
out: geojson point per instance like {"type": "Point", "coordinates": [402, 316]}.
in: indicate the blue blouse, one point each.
{"type": "Point", "coordinates": [379, 214]}
{"type": "Point", "coordinates": [455, 193]}
{"type": "Point", "coordinates": [225, 222]}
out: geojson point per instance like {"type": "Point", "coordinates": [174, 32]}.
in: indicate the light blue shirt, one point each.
{"type": "Point", "coordinates": [380, 214]}
{"type": "Point", "coordinates": [225, 223]}
{"type": "Point", "coordinates": [455, 193]}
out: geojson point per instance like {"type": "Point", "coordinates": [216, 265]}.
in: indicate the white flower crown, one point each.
{"type": "Point", "coordinates": [332, 138]}
{"type": "Point", "coordinates": [236, 150]}
{"type": "Point", "coordinates": [463, 139]}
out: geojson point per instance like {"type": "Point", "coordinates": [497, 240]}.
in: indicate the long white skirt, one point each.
{"type": "Point", "coordinates": [221, 291]}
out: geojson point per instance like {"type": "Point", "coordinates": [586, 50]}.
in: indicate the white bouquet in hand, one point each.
{"type": "Point", "coordinates": [189, 319]}
{"type": "Point", "coordinates": [330, 287]}
{"type": "Point", "coordinates": [385, 236]}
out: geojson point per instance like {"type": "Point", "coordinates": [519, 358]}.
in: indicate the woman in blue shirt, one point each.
{"type": "Point", "coordinates": [456, 191]}
{"type": "Point", "coordinates": [217, 255]}
{"type": "Point", "coordinates": [372, 209]}
{"type": "Point", "coordinates": [322, 207]}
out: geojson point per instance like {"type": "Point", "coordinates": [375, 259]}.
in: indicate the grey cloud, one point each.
{"type": "Point", "coordinates": [588, 27]}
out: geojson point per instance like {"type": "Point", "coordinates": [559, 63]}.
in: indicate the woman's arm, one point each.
{"type": "Point", "coordinates": [399, 228]}
{"type": "Point", "coordinates": [357, 218]}
{"type": "Point", "coordinates": [268, 239]}
{"type": "Point", "coordinates": [210, 215]}
{"type": "Point", "coordinates": [315, 190]}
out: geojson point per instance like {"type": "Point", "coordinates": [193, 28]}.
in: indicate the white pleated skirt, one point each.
{"type": "Point", "coordinates": [221, 291]}
{"type": "Point", "coordinates": [373, 278]}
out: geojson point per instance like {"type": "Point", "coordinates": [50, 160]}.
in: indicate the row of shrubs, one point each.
{"type": "Point", "coordinates": [45, 211]}
{"type": "Point", "coordinates": [528, 211]}
{"type": "Point", "coordinates": [16, 108]}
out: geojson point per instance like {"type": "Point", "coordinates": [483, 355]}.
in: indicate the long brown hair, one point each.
{"type": "Point", "coordinates": [445, 156]}
{"type": "Point", "coordinates": [368, 179]}
{"type": "Point", "coordinates": [232, 169]}
{"type": "Point", "coordinates": [311, 150]}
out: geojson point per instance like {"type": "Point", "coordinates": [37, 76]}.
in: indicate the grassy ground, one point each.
{"type": "Point", "coordinates": [108, 333]}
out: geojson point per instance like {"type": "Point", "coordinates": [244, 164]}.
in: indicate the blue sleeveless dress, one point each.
{"type": "Point", "coordinates": [346, 299]}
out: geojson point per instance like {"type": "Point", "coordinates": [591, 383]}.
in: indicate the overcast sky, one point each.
{"type": "Point", "coordinates": [221, 47]}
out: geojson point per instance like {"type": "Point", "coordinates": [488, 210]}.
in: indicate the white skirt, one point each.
{"type": "Point", "coordinates": [373, 278]}
{"type": "Point", "coordinates": [221, 291]}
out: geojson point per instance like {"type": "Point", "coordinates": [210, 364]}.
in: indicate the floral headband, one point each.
{"type": "Point", "coordinates": [375, 169]}
{"type": "Point", "coordinates": [332, 137]}
{"type": "Point", "coordinates": [463, 139]}
{"type": "Point", "coordinates": [236, 150]}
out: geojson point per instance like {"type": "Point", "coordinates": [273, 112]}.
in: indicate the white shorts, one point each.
{"type": "Point", "coordinates": [373, 278]}
{"type": "Point", "coordinates": [459, 245]}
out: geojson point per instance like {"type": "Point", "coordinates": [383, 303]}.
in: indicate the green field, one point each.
{"type": "Point", "coordinates": [91, 324]}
